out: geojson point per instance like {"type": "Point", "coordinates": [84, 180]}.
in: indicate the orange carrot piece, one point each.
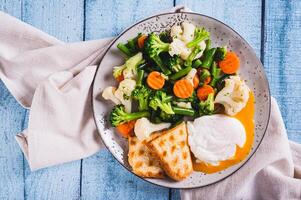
{"type": "Point", "coordinates": [207, 80]}
{"type": "Point", "coordinates": [155, 80]}
{"type": "Point", "coordinates": [230, 64]}
{"type": "Point", "coordinates": [204, 91]}
{"type": "Point", "coordinates": [196, 81]}
{"type": "Point", "coordinates": [120, 78]}
{"type": "Point", "coordinates": [126, 129]}
{"type": "Point", "coordinates": [183, 89]}
{"type": "Point", "coordinates": [141, 41]}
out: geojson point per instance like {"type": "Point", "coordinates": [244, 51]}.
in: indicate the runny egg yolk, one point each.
{"type": "Point", "coordinates": [246, 117]}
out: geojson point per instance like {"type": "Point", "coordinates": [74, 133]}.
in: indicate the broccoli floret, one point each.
{"type": "Point", "coordinates": [165, 37]}
{"type": "Point", "coordinates": [161, 100]}
{"type": "Point", "coordinates": [129, 67]}
{"type": "Point", "coordinates": [141, 93]}
{"type": "Point", "coordinates": [174, 63]}
{"type": "Point", "coordinates": [130, 48]}
{"type": "Point", "coordinates": [200, 34]}
{"type": "Point", "coordinates": [195, 51]}
{"type": "Point", "coordinates": [153, 47]}
{"type": "Point", "coordinates": [220, 53]}
{"type": "Point", "coordinates": [172, 118]}
{"type": "Point", "coordinates": [119, 115]}
{"type": "Point", "coordinates": [204, 74]}
{"type": "Point", "coordinates": [207, 107]}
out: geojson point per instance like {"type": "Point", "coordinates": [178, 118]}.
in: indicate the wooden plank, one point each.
{"type": "Point", "coordinates": [282, 50]}
{"type": "Point", "coordinates": [236, 14]}
{"type": "Point", "coordinates": [11, 157]}
{"type": "Point", "coordinates": [64, 20]}
{"type": "Point", "coordinates": [102, 176]}
{"type": "Point", "coordinates": [11, 119]}
{"type": "Point", "coordinates": [61, 19]}
{"type": "Point", "coordinates": [12, 7]}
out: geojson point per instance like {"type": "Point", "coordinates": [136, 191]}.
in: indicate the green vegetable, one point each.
{"type": "Point", "coordinates": [141, 93]}
{"type": "Point", "coordinates": [200, 34]}
{"type": "Point", "coordinates": [119, 115]}
{"type": "Point", "coordinates": [197, 63]}
{"type": "Point", "coordinates": [174, 63]}
{"type": "Point", "coordinates": [191, 99]}
{"type": "Point", "coordinates": [208, 44]}
{"type": "Point", "coordinates": [161, 100]}
{"type": "Point", "coordinates": [130, 48]}
{"type": "Point", "coordinates": [207, 107]}
{"type": "Point", "coordinates": [220, 53]}
{"type": "Point", "coordinates": [208, 58]}
{"type": "Point", "coordinates": [140, 76]}
{"type": "Point", "coordinates": [123, 48]}
{"type": "Point", "coordinates": [195, 51]}
{"type": "Point", "coordinates": [172, 118]}
{"type": "Point", "coordinates": [204, 74]}
{"type": "Point", "coordinates": [130, 66]}
{"type": "Point", "coordinates": [183, 111]}
{"type": "Point", "coordinates": [180, 73]}
{"type": "Point", "coordinates": [215, 73]}
{"type": "Point", "coordinates": [153, 47]}
{"type": "Point", "coordinates": [165, 37]}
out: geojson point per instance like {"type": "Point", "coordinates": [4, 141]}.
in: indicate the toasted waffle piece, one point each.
{"type": "Point", "coordinates": [172, 149]}
{"type": "Point", "coordinates": [141, 159]}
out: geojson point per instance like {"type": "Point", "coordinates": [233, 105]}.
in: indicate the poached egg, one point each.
{"type": "Point", "coordinates": [214, 138]}
{"type": "Point", "coordinates": [246, 118]}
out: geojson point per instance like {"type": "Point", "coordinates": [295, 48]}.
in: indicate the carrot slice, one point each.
{"type": "Point", "coordinates": [155, 80]}
{"type": "Point", "coordinates": [230, 64]}
{"type": "Point", "coordinates": [126, 129]}
{"type": "Point", "coordinates": [204, 91]}
{"type": "Point", "coordinates": [120, 78]}
{"type": "Point", "coordinates": [196, 81]}
{"type": "Point", "coordinates": [207, 80]}
{"type": "Point", "coordinates": [141, 41]}
{"type": "Point", "coordinates": [183, 89]}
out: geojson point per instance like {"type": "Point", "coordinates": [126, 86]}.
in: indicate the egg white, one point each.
{"type": "Point", "coordinates": [214, 138]}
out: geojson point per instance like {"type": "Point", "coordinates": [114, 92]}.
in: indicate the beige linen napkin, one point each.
{"type": "Point", "coordinates": [53, 79]}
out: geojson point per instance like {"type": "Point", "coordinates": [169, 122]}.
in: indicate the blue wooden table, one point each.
{"type": "Point", "coordinates": [272, 27]}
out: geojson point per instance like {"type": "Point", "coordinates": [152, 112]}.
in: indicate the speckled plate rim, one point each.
{"type": "Point", "coordinates": [201, 15]}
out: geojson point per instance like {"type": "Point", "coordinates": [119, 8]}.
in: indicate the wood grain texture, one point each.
{"type": "Point", "coordinates": [11, 120]}
{"type": "Point", "coordinates": [102, 176]}
{"type": "Point", "coordinates": [12, 7]}
{"type": "Point", "coordinates": [243, 16]}
{"type": "Point", "coordinates": [64, 20]}
{"type": "Point", "coordinates": [11, 157]}
{"type": "Point", "coordinates": [282, 50]}
{"type": "Point", "coordinates": [109, 18]}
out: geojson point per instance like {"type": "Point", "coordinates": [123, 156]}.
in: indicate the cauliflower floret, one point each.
{"type": "Point", "coordinates": [124, 91]}
{"type": "Point", "coordinates": [188, 32]}
{"type": "Point", "coordinates": [234, 96]}
{"type": "Point", "coordinates": [108, 94]}
{"type": "Point", "coordinates": [202, 47]}
{"type": "Point", "coordinates": [176, 31]}
{"type": "Point", "coordinates": [178, 47]}
{"type": "Point", "coordinates": [143, 128]}
{"type": "Point", "coordinates": [184, 104]}
{"type": "Point", "coordinates": [181, 36]}
{"type": "Point", "coordinates": [191, 75]}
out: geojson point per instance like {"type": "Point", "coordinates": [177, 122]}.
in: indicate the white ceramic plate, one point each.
{"type": "Point", "coordinates": [251, 71]}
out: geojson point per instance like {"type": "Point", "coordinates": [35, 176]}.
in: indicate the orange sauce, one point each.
{"type": "Point", "coordinates": [246, 117]}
